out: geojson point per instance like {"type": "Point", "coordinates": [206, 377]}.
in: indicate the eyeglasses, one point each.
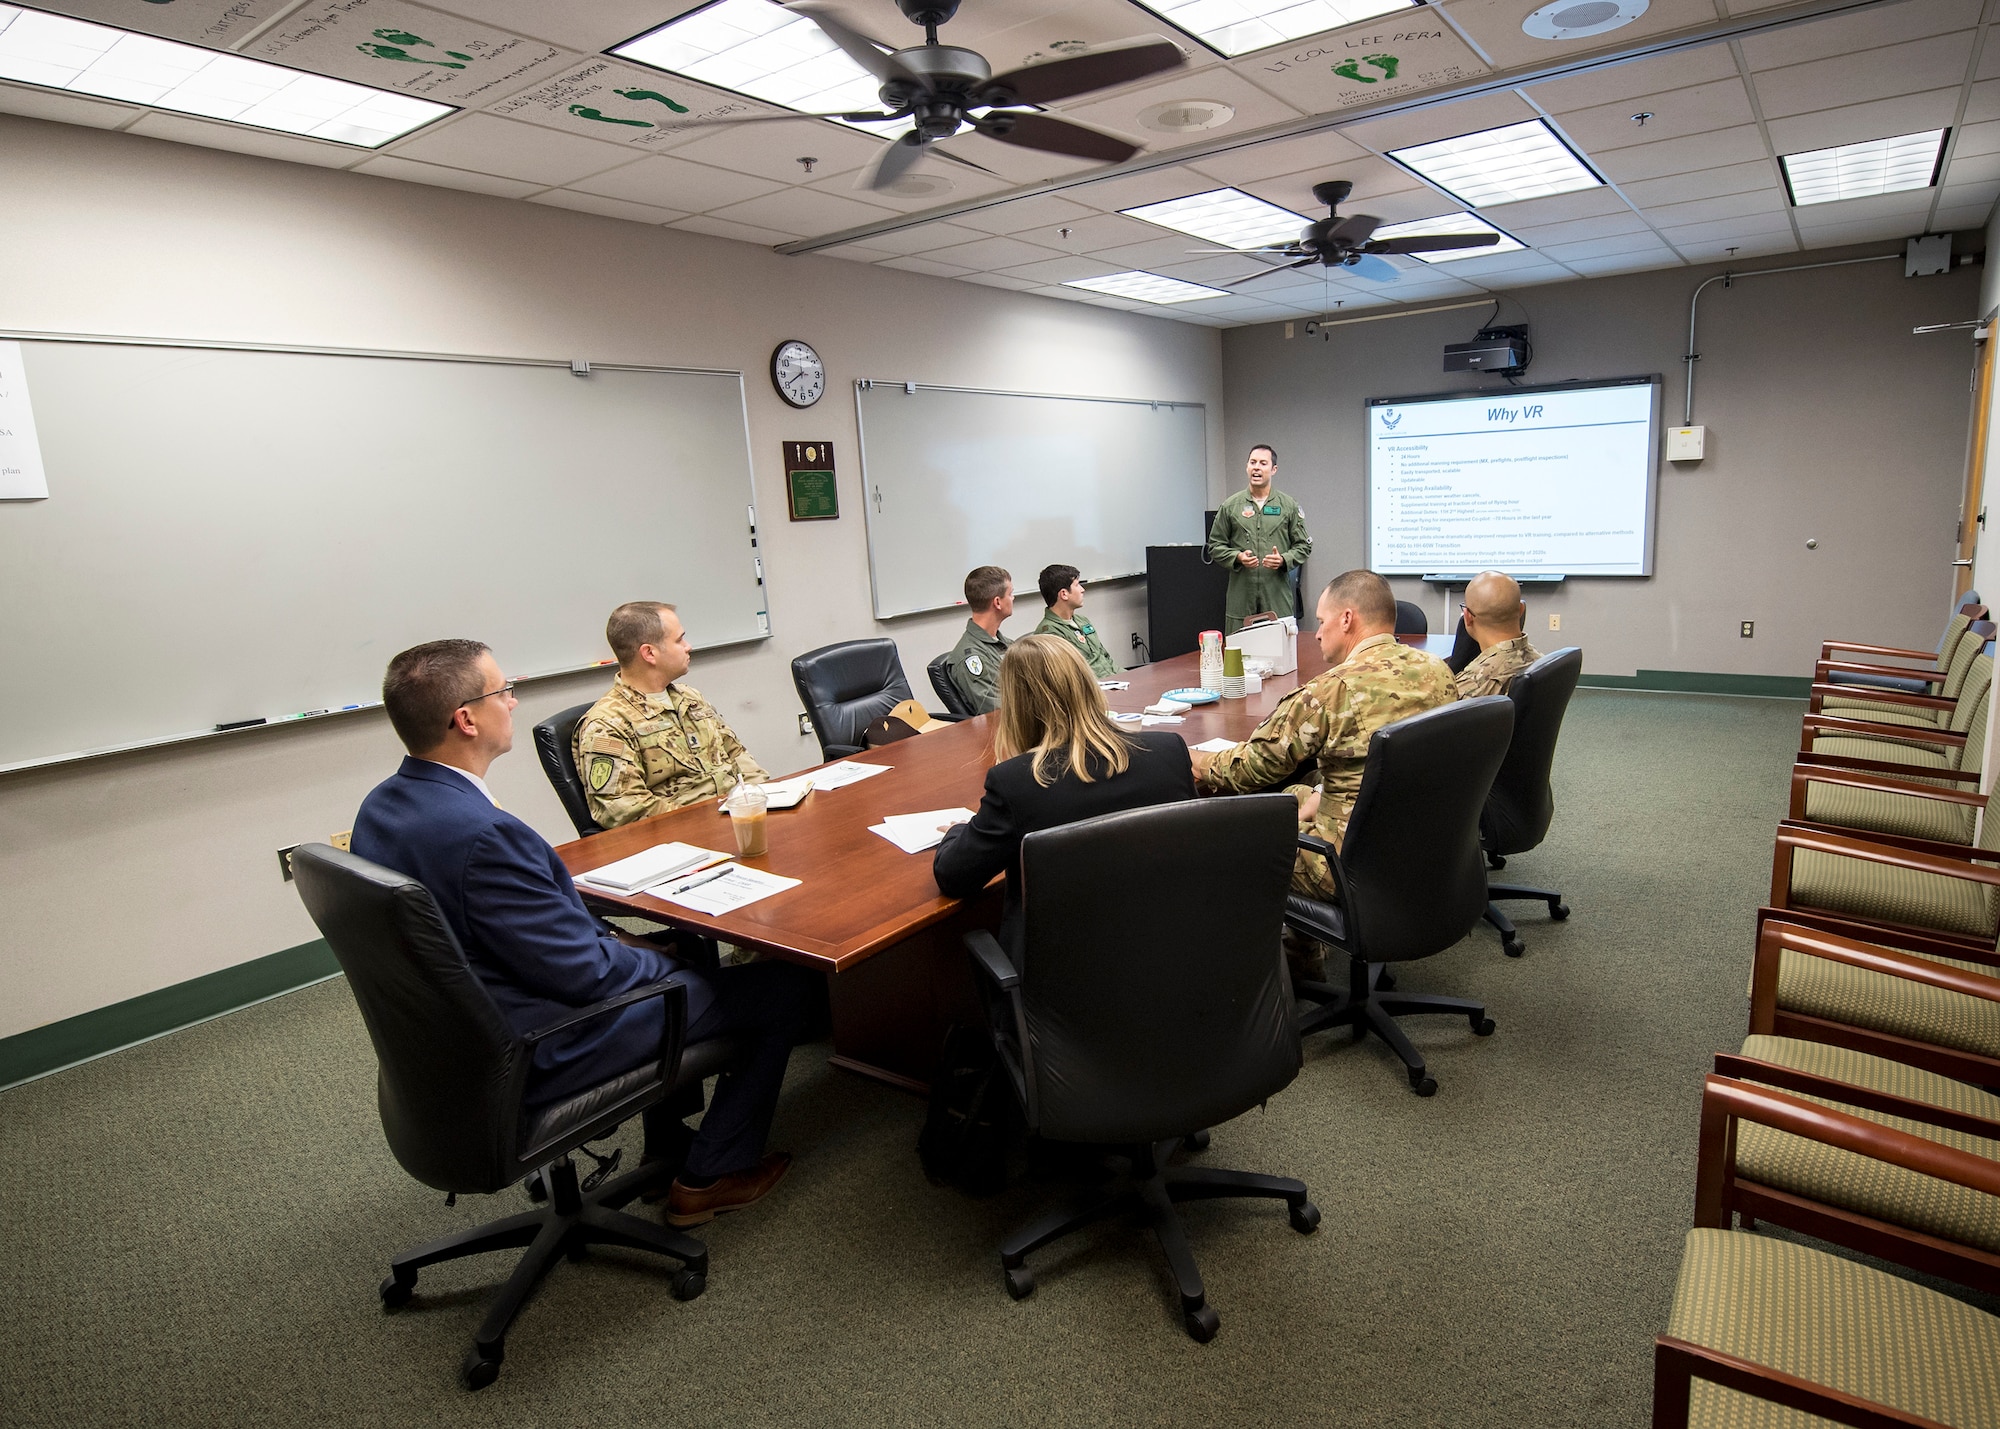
{"type": "Point", "coordinates": [506, 689]}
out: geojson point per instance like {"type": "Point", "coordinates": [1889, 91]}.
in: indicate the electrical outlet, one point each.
{"type": "Point", "coordinates": [285, 860]}
{"type": "Point", "coordinates": [805, 723]}
{"type": "Point", "coordinates": [1555, 622]}
{"type": "Point", "coordinates": [1136, 641]}
{"type": "Point", "coordinates": [1748, 629]}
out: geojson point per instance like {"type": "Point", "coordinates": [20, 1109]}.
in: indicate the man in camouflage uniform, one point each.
{"type": "Point", "coordinates": [1260, 534]}
{"type": "Point", "coordinates": [973, 667]}
{"type": "Point", "coordinates": [1494, 615]}
{"type": "Point", "coordinates": [650, 744]}
{"type": "Point", "coordinates": [1373, 682]}
{"type": "Point", "coordinates": [1062, 593]}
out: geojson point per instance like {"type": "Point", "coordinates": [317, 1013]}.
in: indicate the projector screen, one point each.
{"type": "Point", "coordinates": [1533, 481]}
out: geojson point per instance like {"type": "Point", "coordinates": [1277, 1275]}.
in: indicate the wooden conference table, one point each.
{"type": "Point", "coordinates": [871, 915]}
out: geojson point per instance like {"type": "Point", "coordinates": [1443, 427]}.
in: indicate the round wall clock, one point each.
{"type": "Point", "coordinates": [798, 373]}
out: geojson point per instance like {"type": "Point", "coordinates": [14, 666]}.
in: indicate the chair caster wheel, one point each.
{"type": "Point", "coordinates": [477, 1371]}
{"type": "Point", "coordinates": [396, 1294]}
{"type": "Point", "coordinates": [1482, 1027]}
{"type": "Point", "coordinates": [1020, 1281]}
{"type": "Point", "coordinates": [1423, 1084]}
{"type": "Point", "coordinates": [1202, 1322]}
{"type": "Point", "coordinates": [1195, 1142]}
{"type": "Point", "coordinates": [1305, 1218]}
{"type": "Point", "coordinates": [1513, 947]}
{"type": "Point", "coordinates": [536, 1187]}
{"type": "Point", "coordinates": [688, 1285]}
{"type": "Point", "coordinates": [1559, 911]}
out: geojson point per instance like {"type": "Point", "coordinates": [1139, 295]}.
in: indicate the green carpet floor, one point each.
{"type": "Point", "coordinates": [195, 1227]}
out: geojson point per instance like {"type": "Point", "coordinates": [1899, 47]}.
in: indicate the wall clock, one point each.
{"type": "Point", "coordinates": [798, 373]}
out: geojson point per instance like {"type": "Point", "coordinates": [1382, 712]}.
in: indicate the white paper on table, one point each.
{"type": "Point", "coordinates": [839, 776]}
{"type": "Point", "coordinates": [1124, 718]}
{"type": "Point", "coordinates": [788, 793]}
{"type": "Point", "coordinates": [1215, 746]}
{"type": "Point", "coordinates": [1148, 721]}
{"type": "Point", "coordinates": [738, 888]}
{"type": "Point", "coordinates": [913, 833]}
{"type": "Point", "coordinates": [1165, 706]}
{"type": "Point", "coordinates": [1114, 684]}
{"type": "Point", "coordinates": [662, 863]}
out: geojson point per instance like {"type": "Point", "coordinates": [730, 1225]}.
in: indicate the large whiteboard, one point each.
{"type": "Point", "coordinates": [233, 532]}
{"type": "Point", "coordinates": [956, 478]}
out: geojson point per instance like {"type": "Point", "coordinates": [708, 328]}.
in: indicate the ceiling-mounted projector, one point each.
{"type": "Point", "coordinates": [1493, 349]}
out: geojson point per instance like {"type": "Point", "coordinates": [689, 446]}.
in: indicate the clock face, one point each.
{"type": "Point", "coordinates": [798, 373]}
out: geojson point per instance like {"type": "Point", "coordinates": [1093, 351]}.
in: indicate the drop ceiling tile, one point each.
{"type": "Point", "coordinates": [854, 253]}
{"type": "Point", "coordinates": [925, 266]}
{"type": "Point", "coordinates": [1617, 245]}
{"type": "Point", "coordinates": [671, 182]}
{"type": "Point", "coordinates": [1323, 152]}
{"type": "Point", "coordinates": [447, 59]}
{"type": "Point", "coordinates": [1702, 183]}
{"type": "Point", "coordinates": [389, 166]}
{"type": "Point", "coordinates": [1872, 230]}
{"type": "Point", "coordinates": [804, 210]}
{"type": "Point", "coordinates": [1689, 111]}
{"type": "Point", "coordinates": [1728, 230]}
{"type": "Point", "coordinates": [1954, 220]}
{"type": "Point", "coordinates": [1062, 270]}
{"type": "Point", "coordinates": [1851, 124]}
{"type": "Point", "coordinates": [923, 238]}
{"type": "Point", "coordinates": [1968, 195]}
{"type": "Point", "coordinates": [1214, 271]}
{"type": "Point", "coordinates": [588, 28]}
{"type": "Point", "coordinates": [217, 24]}
{"type": "Point", "coordinates": [607, 207]}
{"type": "Point", "coordinates": [1912, 204]}
{"type": "Point", "coordinates": [1679, 156]}
{"type": "Point", "coordinates": [932, 184]}
{"type": "Point", "coordinates": [1131, 190]}
{"type": "Point", "coordinates": [1446, 121]}
{"type": "Point", "coordinates": [1618, 83]}
{"type": "Point", "coordinates": [993, 253]}
{"type": "Point", "coordinates": [1012, 162]}
{"type": "Point", "coordinates": [1911, 68]}
{"type": "Point", "coordinates": [773, 151]}
{"type": "Point", "coordinates": [1977, 139]}
{"type": "Point", "coordinates": [1577, 230]}
{"type": "Point", "coordinates": [1559, 208]}
{"type": "Point", "coordinates": [1870, 30]}
{"type": "Point", "coordinates": [715, 227]}
{"type": "Point", "coordinates": [615, 102]}
{"type": "Point", "coordinates": [1295, 194]}
{"type": "Point", "coordinates": [1130, 111]}
{"type": "Point", "coordinates": [1000, 280]}
{"type": "Point", "coordinates": [1169, 248]}
{"type": "Point", "coordinates": [1504, 268]}
{"type": "Point", "coordinates": [1982, 101]}
{"type": "Point", "coordinates": [486, 145]}
{"type": "Point", "coordinates": [1733, 250]}
{"type": "Point", "coordinates": [1989, 56]}
{"type": "Point", "coordinates": [1087, 235]}
{"type": "Point", "coordinates": [1625, 263]}
{"type": "Point", "coordinates": [1021, 214]}
{"type": "Point", "coordinates": [1554, 273]}
{"type": "Point", "coordinates": [1495, 26]}
{"type": "Point", "coordinates": [1700, 210]}
{"type": "Point", "coordinates": [1971, 169]}
{"type": "Point", "coordinates": [239, 140]}
{"type": "Point", "coordinates": [63, 108]}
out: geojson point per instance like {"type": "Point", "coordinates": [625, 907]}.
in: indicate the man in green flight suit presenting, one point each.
{"type": "Point", "coordinates": [1260, 534]}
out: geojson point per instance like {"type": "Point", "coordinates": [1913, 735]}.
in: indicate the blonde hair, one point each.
{"type": "Point", "coordinates": [1051, 707]}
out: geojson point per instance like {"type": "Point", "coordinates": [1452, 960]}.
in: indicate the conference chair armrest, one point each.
{"type": "Point", "coordinates": [1806, 775]}
{"type": "Point", "coordinates": [1909, 772]}
{"type": "Point", "coordinates": [945, 716]}
{"type": "Point", "coordinates": [1916, 855]}
{"type": "Point", "coordinates": [1817, 723]}
{"type": "Point", "coordinates": [1676, 1363]}
{"type": "Point", "coordinates": [1007, 1018]}
{"type": "Point", "coordinates": [1886, 652]}
{"type": "Point", "coordinates": [1777, 936]}
{"type": "Point", "coordinates": [1313, 843]}
{"type": "Point", "coordinates": [1884, 935]}
{"type": "Point", "coordinates": [841, 751]}
{"type": "Point", "coordinates": [674, 992]}
{"type": "Point", "coordinates": [1774, 1074]}
{"type": "Point", "coordinates": [1824, 668]}
{"type": "Point", "coordinates": [1873, 694]}
{"type": "Point", "coordinates": [991, 960]}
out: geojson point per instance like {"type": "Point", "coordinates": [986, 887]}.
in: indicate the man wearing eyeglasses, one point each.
{"type": "Point", "coordinates": [540, 954]}
{"type": "Point", "coordinates": [1494, 614]}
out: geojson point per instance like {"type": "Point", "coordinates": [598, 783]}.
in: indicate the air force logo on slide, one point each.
{"type": "Point", "coordinates": [1391, 418]}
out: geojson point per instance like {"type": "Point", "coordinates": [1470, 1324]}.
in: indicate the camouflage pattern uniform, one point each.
{"type": "Point", "coordinates": [1243, 524]}
{"type": "Point", "coordinates": [1329, 721]}
{"type": "Point", "coordinates": [1084, 635]}
{"type": "Point", "coordinates": [641, 754]}
{"type": "Point", "coordinates": [1492, 671]}
{"type": "Point", "coordinates": [973, 668]}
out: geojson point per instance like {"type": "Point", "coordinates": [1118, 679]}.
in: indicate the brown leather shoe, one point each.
{"type": "Point", "coordinates": [687, 1206]}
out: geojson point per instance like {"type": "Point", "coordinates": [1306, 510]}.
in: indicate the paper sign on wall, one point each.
{"type": "Point", "coordinates": [21, 474]}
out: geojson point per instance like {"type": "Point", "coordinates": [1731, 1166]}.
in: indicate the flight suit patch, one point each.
{"type": "Point", "coordinates": [600, 773]}
{"type": "Point", "coordinates": [973, 666]}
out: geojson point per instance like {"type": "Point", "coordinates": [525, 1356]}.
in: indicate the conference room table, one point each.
{"type": "Point", "coordinates": [866, 913]}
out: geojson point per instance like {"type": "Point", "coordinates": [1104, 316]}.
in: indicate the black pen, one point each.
{"type": "Point", "coordinates": [697, 882]}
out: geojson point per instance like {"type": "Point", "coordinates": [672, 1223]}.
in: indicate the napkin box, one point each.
{"type": "Point", "coordinates": [1276, 641]}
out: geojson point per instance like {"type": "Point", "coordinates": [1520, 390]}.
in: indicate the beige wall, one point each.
{"type": "Point", "coordinates": [126, 874]}
{"type": "Point", "coordinates": [1826, 419]}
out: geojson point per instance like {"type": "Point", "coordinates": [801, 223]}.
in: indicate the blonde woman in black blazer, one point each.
{"type": "Point", "coordinates": [1060, 759]}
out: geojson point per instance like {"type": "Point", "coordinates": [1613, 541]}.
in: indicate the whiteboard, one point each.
{"type": "Point", "coordinates": [1539, 482]}
{"type": "Point", "coordinates": [956, 478]}
{"type": "Point", "coordinates": [235, 532]}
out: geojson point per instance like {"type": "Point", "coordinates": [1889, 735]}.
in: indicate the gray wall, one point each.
{"type": "Point", "coordinates": [126, 874]}
{"type": "Point", "coordinates": [1826, 418]}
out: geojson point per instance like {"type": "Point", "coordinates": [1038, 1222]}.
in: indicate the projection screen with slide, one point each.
{"type": "Point", "coordinates": [1535, 481]}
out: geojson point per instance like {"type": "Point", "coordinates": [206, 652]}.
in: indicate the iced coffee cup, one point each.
{"type": "Point", "coordinates": [748, 812]}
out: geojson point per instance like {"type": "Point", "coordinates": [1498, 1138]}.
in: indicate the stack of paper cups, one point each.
{"type": "Point", "coordinates": [1232, 674]}
{"type": "Point", "coordinates": [1211, 660]}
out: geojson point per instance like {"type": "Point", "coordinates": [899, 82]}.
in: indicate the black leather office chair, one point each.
{"type": "Point", "coordinates": [1410, 619]}
{"type": "Point", "coordinates": [554, 741]}
{"type": "Point", "coordinates": [1409, 872]}
{"type": "Point", "coordinates": [451, 1086]}
{"type": "Point", "coordinates": [1464, 649]}
{"type": "Point", "coordinates": [1135, 1022]}
{"type": "Point", "coordinates": [847, 687]}
{"type": "Point", "coordinates": [1518, 811]}
{"type": "Point", "coordinates": [954, 702]}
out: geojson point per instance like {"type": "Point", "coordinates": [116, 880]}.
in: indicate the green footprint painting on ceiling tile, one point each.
{"type": "Point", "coordinates": [584, 111]}
{"type": "Point", "coordinates": [394, 50]}
{"type": "Point", "coordinates": [1351, 69]}
{"type": "Point", "coordinates": [655, 96]}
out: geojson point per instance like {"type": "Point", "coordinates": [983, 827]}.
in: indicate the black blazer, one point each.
{"type": "Point", "coordinates": [1014, 805]}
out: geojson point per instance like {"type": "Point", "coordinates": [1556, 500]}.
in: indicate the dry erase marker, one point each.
{"type": "Point", "coordinates": [239, 724]}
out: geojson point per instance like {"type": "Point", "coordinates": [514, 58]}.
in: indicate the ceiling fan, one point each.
{"type": "Point", "coordinates": [938, 86]}
{"type": "Point", "coordinates": [1337, 242]}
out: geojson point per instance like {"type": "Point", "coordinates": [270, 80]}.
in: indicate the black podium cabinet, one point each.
{"type": "Point", "coordinates": [1184, 596]}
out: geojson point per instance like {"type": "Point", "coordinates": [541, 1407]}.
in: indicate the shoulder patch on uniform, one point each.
{"type": "Point", "coordinates": [973, 665]}
{"type": "Point", "coordinates": [600, 773]}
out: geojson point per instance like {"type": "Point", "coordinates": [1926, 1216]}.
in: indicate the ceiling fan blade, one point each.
{"type": "Point", "coordinates": [1267, 272]}
{"type": "Point", "coordinates": [1375, 270]}
{"type": "Point", "coordinates": [1275, 250]}
{"type": "Point", "coordinates": [1101, 68]}
{"type": "Point", "coordinates": [893, 162]}
{"type": "Point", "coordinates": [939, 151]}
{"type": "Point", "coordinates": [874, 58]}
{"type": "Point", "coordinates": [1353, 231]}
{"type": "Point", "coordinates": [1054, 136]}
{"type": "Point", "coordinates": [1432, 243]}
{"type": "Point", "coordinates": [853, 117]}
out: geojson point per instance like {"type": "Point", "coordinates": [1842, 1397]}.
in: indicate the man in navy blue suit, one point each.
{"type": "Point", "coordinates": [540, 953]}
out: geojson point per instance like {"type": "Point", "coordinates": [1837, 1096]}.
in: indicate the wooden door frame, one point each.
{"type": "Point", "coordinates": [1975, 457]}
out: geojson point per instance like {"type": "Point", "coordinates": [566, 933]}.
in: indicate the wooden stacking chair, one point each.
{"type": "Point", "coordinates": [1889, 706]}
{"type": "Point", "coordinates": [1938, 899]}
{"type": "Point", "coordinates": [1947, 756]}
{"type": "Point", "coordinates": [1843, 662]}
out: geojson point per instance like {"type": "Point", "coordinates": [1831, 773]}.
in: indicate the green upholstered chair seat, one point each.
{"type": "Point", "coordinates": [1840, 992]}
{"type": "Point", "coordinates": [1862, 1184]}
{"type": "Point", "coordinates": [1880, 712]}
{"type": "Point", "coordinates": [1880, 811]}
{"type": "Point", "coordinates": [1833, 1322]}
{"type": "Point", "coordinates": [1918, 757]}
{"type": "Point", "coordinates": [1876, 891]}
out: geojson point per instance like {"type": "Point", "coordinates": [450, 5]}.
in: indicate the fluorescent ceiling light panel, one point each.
{"type": "Point", "coordinates": [1236, 27]}
{"type": "Point", "coordinates": [1878, 166]}
{"type": "Point", "coordinates": [1451, 223]}
{"type": "Point", "coordinates": [764, 51]}
{"type": "Point", "coordinates": [60, 53]}
{"type": "Point", "coordinates": [1148, 288]}
{"type": "Point", "coordinates": [1520, 161]}
{"type": "Point", "coordinates": [1229, 217]}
